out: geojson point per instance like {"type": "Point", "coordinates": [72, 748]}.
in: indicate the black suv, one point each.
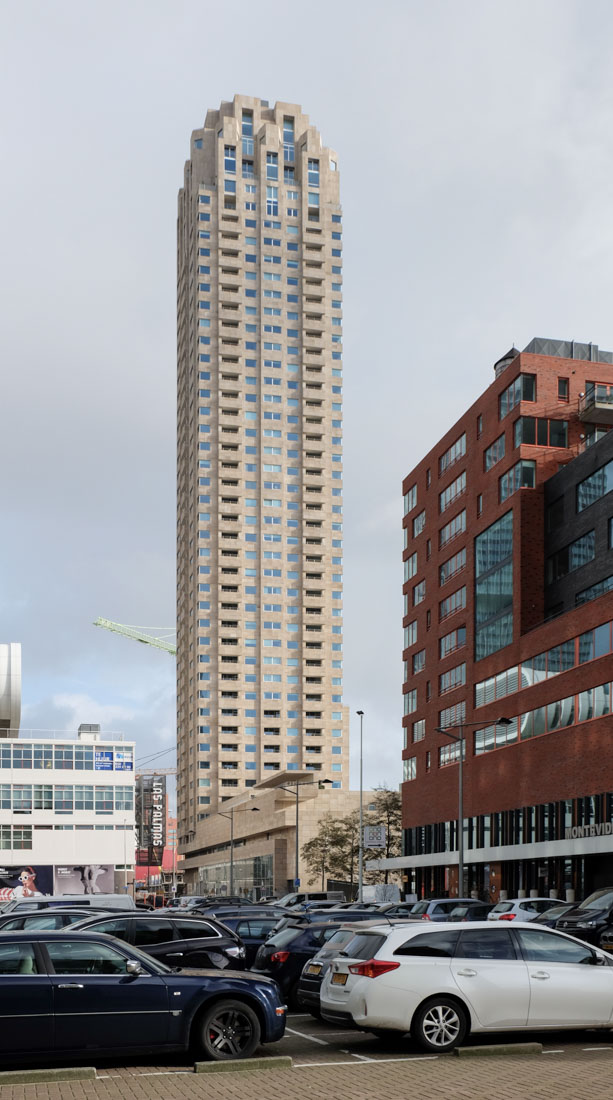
{"type": "Point", "coordinates": [283, 956]}
{"type": "Point", "coordinates": [177, 940]}
{"type": "Point", "coordinates": [588, 920]}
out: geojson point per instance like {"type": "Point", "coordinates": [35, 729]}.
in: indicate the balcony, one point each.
{"type": "Point", "coordinates": [596, 404]}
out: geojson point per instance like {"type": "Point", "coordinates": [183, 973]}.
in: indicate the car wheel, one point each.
{"type": "Point", "coordinates": [229, 1029]}
{"type": "Point", "coordinates": [439, 1025]}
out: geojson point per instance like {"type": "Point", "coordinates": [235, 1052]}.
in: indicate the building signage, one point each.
{"type": "Point", "coordinates": [374, 836]}
{"type": "Point", "coordinates": [575, 831]}
{"type": "Point", "coordinates": [123, 760]}
{"type": "Point", "coordinates": [104, 760]}
{"type": "Point", "coordinates": [151, 818]}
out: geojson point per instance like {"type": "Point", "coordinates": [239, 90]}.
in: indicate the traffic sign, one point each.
{"type": "Point", "coordinates": [296, 882]}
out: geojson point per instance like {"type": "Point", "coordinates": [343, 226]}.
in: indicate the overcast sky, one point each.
{"type": "Point", "coordinates": [476, 155]}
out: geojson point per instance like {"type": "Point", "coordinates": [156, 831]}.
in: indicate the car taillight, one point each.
{"type": "Point", "coordinates": [279, 957]}
{"type": "Point", "coordinates": [373, 968]}
{"type": "Point", "coordinates": [507, 916]}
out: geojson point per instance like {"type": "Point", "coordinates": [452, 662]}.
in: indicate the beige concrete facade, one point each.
{"type": "Point", "coordinates": [259, 533]}
{"type": "Point", "coordinates": [265, 837]}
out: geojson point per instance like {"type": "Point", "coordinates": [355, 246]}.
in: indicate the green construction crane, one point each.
{"type": "Point", "coordinates": [141, 634]}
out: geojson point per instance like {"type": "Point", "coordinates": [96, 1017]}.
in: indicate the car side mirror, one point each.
{"type": "Point", "coordinates": [134, 968]}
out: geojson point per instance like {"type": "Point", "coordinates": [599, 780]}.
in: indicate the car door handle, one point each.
{"type": "Point", "coordinates": [71, 985]}
{"type": "Point", "coordinates": [542, 975]}
{"type": "Point", "coordinates": [467, 973]}
{"type": "Point", "coordinates": [174, 954]}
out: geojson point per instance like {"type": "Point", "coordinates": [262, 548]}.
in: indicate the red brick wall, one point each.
{"type": "Point", "coordinates": [552, 766]}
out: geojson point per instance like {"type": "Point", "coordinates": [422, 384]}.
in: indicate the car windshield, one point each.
{"type": "Point", "coordinates": [553, 913]}
{"type": "Point", "coordinates": [600, 899]}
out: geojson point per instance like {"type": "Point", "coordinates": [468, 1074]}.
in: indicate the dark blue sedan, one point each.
{"type": "Point", "coordinates": [70, 993]}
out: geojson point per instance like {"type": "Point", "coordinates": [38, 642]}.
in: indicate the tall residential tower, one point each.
{"type": "Point", "coordinates": [259, 539]}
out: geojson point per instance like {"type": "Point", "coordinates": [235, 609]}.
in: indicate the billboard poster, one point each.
{"type": "Point", "coordinates": [123, 760]}
{"type": "Point", "coordinates": [151, 818]}
{"type": "Point", "coordinates": [25, 881]}
{"type": "Point", "coordinates": [88, 878]}
{"type": "Point", "coordinates": [104, 760]}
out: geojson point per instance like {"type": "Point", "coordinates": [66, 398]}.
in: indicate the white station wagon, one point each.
{"type": "Point", "coordinates": [443, 982]}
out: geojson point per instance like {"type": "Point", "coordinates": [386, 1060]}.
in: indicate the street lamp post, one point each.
{"type": "Point", "coordinates": [298, 785]}
{"type": "Point", "coordinates": [447, 731]}
{"type": "Point", "coordinates": [222, 813]}
{"type": "Point", "coordinates": [360, 713]}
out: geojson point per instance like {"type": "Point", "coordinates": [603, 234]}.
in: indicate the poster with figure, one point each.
{"type": "Point", "coordinates": [87, 878]}
{"type": "Point", "coordinates": [25, 881]}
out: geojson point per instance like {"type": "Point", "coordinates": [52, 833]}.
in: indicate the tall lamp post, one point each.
{"type": "Point", "coordinates": [230, 815]}
{"type": "Point", "coordinates": [458, 737]}
{"type": "Point", "coordinates": [360, 714]}
{"type": "Point", "coordinates": [295, 789]}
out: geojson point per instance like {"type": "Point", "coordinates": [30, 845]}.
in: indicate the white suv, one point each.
{"type": "Point", "coordinates": [521, 908]}
{"type": "Point", "coordinates": [443, 981]}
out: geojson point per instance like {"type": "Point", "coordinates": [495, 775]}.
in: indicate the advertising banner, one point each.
{"type": "Point", "coordinates": [104, 760]}
{"type": "Point", "coordinates": [25, 881]}
{"type": "Point", "coordinates": [151, 818]}
{"type": "Point", "coordinates": [89, 878]}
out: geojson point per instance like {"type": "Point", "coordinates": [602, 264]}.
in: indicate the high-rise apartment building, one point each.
{"type": "Point", "coordinates": [508, 611]}
{"type": "Point", "coordinates": [259, 550]}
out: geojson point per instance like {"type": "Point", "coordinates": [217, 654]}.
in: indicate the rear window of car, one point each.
{"type": "Point", "coordinates": [486, 943]}
{"type": "Point", "coordinates": [284, 937]}
{"type": "Point", "coordinates": [419, 908]}
{"type": "Point", "coordinates": [191, 929]}
{"type": "Point", "coordinates": [363, 946]}
{"type": "Point", "coordinates": [503, 907]}
{"type": "Point", "coordinates": [431, 944]}
{"type": "Point", "coordinates": [152, 930]}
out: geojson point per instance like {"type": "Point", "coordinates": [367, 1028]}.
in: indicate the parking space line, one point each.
{"type": "Point", "coordinates": [552, 1052]}
{"type": "Point", "coordinates": [597, 1048]}
{"type": "Point", "coordinates": [312, 1038]}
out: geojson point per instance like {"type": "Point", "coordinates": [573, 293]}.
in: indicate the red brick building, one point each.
{"type": "Point", "coordinates": [508, 603]}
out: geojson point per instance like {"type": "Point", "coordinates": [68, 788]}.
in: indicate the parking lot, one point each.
{"type": "Point", "coordinates": [335, 1064]}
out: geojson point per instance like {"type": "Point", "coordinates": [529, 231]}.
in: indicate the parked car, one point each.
{"type": "Point", "coordinates": [437, 909]}
{"type": "Point", "coordinates": [340, 914]}
{"type": "Point", "coordinates": [46, 918]}
{"type": "Point", "coordinates": [442, 982]}
{"type": "Point", "coordinates": [174, 939]}
{"type": "Point", "coordinates": [551, 916]}
{"type": "Point", "coordinates": [315, 969]}
{"type": "Point", "coordinates": [283, 956]}
{"type": "Point", "coordinates": [45, 901]}
{"type": "Point", "coordinates": [299, 897]}
{"type": "Point", "coordinates": [400, 909]}
{"type": "Point", "coordinates": [521, 908]}
{"type": "Point", "coordinates": [479, 911]}
{"type": "Point", "coordinates": [591, 918]}
{"type": "Point", "coordinates": [80, 991]}
{"type": "Point", "coordinates": [252, 926]}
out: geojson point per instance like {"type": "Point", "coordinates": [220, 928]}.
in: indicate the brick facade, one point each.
{"type": "Point", "coordinates": [559, 765]}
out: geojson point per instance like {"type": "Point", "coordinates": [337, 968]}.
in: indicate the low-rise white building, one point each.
{"type": "Point", "coordinates": [66, 812]}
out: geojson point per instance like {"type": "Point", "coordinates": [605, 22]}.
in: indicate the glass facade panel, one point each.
{"type": "Point", "coordinates": [595, 486]}
{"type": "Point", "coordinates": [494, 587]}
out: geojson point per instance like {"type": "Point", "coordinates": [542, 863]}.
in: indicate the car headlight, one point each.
{"type": "Point", "coordinates": [585, 924]}
{"type": "Point", "coordinates": [236, 952]}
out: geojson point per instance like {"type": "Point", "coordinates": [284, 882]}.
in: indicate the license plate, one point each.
{"type": "Point", "coordinates": [339, 979]}
{"type": "Point", "coordinates": [313, 968]}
